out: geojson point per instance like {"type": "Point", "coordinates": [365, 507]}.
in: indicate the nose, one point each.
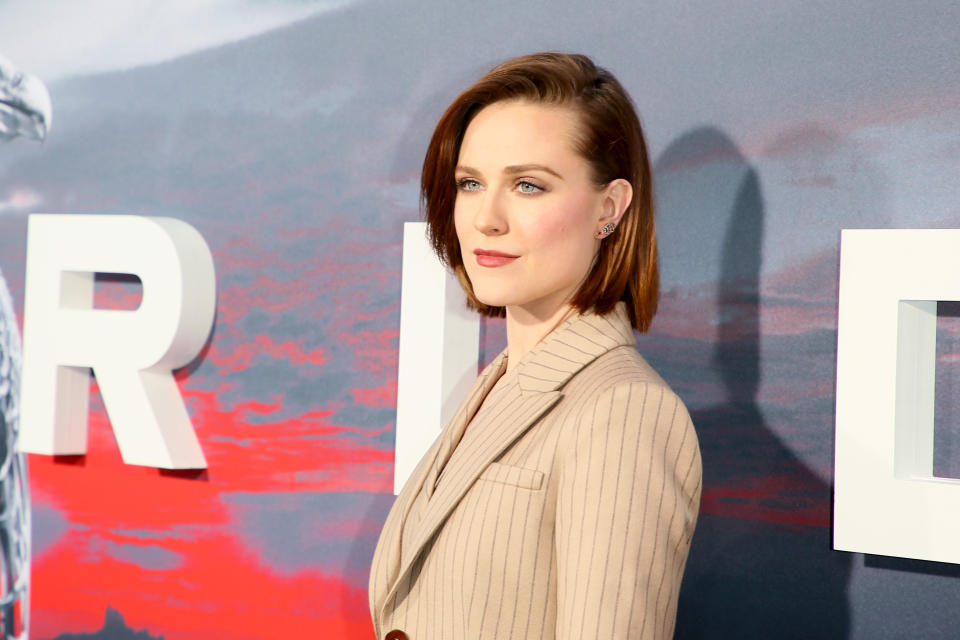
{"type": "Point", "coordinates": [490, 218]}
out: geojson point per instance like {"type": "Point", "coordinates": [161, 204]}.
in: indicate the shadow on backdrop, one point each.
{"type": "Point", "coordinates": [761, 564]}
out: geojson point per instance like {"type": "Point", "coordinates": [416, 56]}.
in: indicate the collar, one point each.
{"type": "Point", "coordinates": [577, 342]}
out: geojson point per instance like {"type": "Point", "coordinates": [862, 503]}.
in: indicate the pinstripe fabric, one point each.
{"type": "Point", "coordinates": [564, 511]}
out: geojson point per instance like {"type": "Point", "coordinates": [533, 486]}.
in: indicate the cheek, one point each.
{"type": "Point", "coordinates": [459, 222]}
{"type": "Point", "coordinates": [565, 234]}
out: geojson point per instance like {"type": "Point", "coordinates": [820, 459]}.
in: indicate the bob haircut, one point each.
{"type": "Point", "coordinates": [610, 140]}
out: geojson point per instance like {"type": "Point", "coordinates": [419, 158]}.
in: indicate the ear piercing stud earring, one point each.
{"type": "Point", "coordinates": [606, 230]}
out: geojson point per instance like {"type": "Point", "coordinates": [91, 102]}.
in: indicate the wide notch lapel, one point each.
{"type": "Point", "coordinates": [528, 392]}
{"type": "Point", "coordinates": [497, 436]}
{"type": "Point", "coordinates": [389, 557]}
{"type": "Point", "coordinates": [425, 472]}
{"type": "Point", "coordinates": [454, 431]}
{"type": "Point", "coordinates": [572, 346]}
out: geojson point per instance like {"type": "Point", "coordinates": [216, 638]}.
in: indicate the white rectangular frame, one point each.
{"type": "Point", "coordinates": [886, 499]}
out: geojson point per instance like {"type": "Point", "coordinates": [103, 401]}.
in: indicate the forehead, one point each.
{"type": "Point", "coordinates": [520, 132]}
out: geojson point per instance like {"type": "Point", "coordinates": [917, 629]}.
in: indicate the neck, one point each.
{"type": "Point", "coordinates": [526, 329]}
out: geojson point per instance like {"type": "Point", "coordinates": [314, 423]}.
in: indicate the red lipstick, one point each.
{"type": "Point", "coordinates": [490, 258]}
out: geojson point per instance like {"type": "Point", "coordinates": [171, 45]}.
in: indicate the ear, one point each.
{"type": "Point", "coordinates": [616, 198]}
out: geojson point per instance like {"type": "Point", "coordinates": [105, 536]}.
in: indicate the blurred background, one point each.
{"type": "Point", "coordinates": [290, 134]}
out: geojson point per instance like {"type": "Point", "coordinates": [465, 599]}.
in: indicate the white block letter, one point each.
{"type": "Point", "coordinates": [439, 350]}
{"type": "Point", "coordinates": [132, 353]}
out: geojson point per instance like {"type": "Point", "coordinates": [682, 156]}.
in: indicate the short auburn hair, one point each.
{"type": "Point", "coordinates": [610, 140]}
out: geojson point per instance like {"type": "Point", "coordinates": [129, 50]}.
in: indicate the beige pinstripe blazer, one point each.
{"type": "Point", "coordinates": [565, 511]}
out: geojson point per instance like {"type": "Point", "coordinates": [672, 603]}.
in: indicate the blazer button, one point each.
{"type": "Point", "coordinates": [396, 634]}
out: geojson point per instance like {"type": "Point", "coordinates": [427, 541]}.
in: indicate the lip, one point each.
{"type": "Point", "coordinates": [491, 258]}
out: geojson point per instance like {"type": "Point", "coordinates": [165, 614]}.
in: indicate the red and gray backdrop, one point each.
{"type": "Point", "coordinates": [290, 134]}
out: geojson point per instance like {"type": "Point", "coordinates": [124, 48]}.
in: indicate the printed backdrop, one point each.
{"type": "Point", "coordinates": [290, 134]}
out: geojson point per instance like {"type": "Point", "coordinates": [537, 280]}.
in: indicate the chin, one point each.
{"type": "Point", "coordinates": [494, 300]}
{"type": "Point", "coordinates": [495, 296]}
{"type": "Point", "coordinates": [492, 292]}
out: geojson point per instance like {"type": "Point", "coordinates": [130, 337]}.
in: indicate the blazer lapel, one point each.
{"type": "Point", "coordinates": [572, 346]}
{"type": "Point", "coordinates": [487, 439]}
{"type": "Point", "coordinates": [530, 391]}
{"type": "Point", "coordinates": [425, 474]}
{"type": "Point", "coordinates": [494, 439]}
{"type": "Point", "coordinates": [468, 409]}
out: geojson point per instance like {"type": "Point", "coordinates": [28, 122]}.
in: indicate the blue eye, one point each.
{"type": "Point", "coordinates": [468, 184]}
{"type": "Point", "coordinates": [527, 187]}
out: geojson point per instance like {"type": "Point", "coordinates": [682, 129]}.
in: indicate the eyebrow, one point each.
{"type": "Point", "coordinates": [514, 169]}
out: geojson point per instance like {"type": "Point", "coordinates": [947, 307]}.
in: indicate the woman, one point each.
{"type": "Point", "coordinates": [561, 499]}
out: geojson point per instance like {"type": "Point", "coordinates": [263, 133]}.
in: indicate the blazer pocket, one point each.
{"type": "Point", "coordinates": [515, 476]}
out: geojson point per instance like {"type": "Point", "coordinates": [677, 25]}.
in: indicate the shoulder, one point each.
{"type": "Point", "coordinates": [621, 366]}
{"type": "Point", "coordinates": [620, 390]}
{"type": "Point", "coordinates": [621, 410]}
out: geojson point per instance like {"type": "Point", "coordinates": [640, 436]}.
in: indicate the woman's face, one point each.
{"type": "Point", "coordinates": [527, 211]}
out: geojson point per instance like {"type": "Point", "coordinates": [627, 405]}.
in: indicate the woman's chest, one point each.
{"type": "Point", "coordinates": [506, 516]}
